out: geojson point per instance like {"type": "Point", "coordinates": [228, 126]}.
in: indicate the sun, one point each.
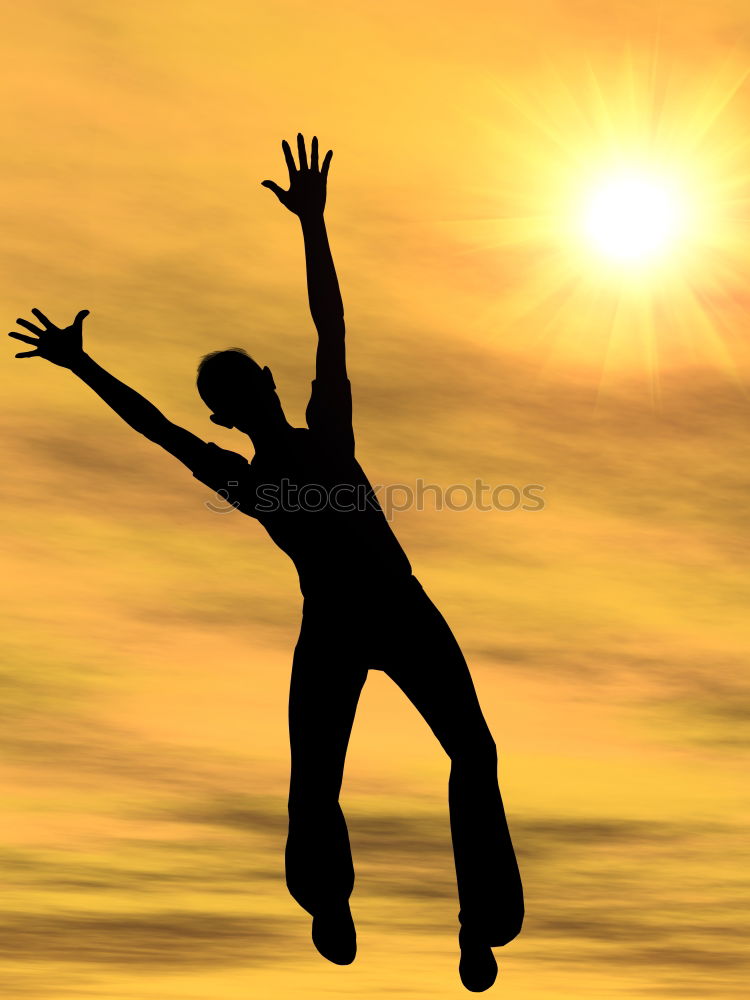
{"type": "Point", "coordinates": [616, 214]}
{"type": "Point", "coordinates": [633, 217]}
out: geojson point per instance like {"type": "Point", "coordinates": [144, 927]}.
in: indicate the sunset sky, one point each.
{"type": "Point", "coordinates": [149, 640]}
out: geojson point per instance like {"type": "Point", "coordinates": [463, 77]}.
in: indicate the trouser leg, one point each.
{"type": "Point", "coordinates": [322, 702]}
{"type": "Point", "coordinates": [432, 672]}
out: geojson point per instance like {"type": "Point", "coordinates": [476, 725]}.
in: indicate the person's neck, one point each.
{"type": "Point", "coordinates": [266, 437]}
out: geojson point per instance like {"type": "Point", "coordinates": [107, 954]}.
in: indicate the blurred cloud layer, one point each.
{"type": "Point", "coordinates": [147, 641]}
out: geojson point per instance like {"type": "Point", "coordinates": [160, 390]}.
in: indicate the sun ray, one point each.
{"type": "Point", "coordinates": [709, 108]}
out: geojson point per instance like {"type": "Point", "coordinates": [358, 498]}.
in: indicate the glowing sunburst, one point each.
{"type": "Point", "coordinates": [622, 209]}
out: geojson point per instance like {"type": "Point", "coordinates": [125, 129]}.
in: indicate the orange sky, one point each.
{"type": "Point", "coordinates": [149, 640]}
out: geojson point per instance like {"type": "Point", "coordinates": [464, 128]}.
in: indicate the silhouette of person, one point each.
{"type": "Point", "coordinates": [362, 606]}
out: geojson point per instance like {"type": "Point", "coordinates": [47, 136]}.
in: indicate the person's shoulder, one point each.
{"type": "Point", "coordinates": [216, 453]}
{"type": "Point", "coordinates": [212, 459]}
{"type": "Point", "coordinates": [330, 402]}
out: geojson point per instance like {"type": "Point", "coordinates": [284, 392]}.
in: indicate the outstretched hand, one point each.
{"type": "Point", "coordinates": [61, 345]}
{"type": "Point", "coordinates": [307, 183]}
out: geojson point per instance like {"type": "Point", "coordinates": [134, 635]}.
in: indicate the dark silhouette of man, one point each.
{"type": "Point", "coordinates": [362, 606]}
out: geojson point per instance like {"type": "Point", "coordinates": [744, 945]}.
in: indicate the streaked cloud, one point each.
{"type": "Point", "coordinates": [147, 641]}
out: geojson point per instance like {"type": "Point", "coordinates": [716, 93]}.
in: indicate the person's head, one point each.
{"type": "Point", "coordinates": [237, 390]}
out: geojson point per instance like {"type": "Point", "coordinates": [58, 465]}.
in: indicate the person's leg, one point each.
{"type": "Point", "coordinates": [322, 702]}
{"type": "Point", "coordinates": [431, 670]}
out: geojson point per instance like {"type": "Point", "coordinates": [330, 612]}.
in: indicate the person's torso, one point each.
{"type": "Point", "coordinates": [318, 506]}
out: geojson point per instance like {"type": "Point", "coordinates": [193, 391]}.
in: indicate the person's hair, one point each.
{"type": "Point", "coordinates": [220, 371]}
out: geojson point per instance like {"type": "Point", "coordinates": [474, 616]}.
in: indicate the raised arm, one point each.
{"type": "Point", "coordinates": [306, 198]}
{"type": "Point", "coordinates": [63, 346]}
